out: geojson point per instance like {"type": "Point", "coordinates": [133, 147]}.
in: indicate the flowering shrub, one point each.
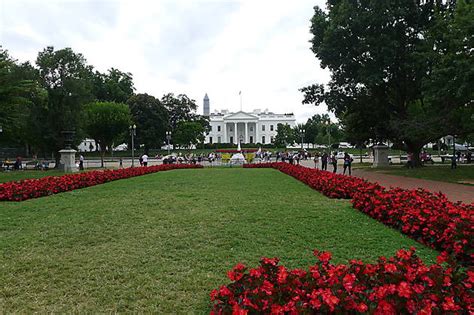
{"type": "Point", "coordinates": [34, 188]}
{"type": "Point", "coordinates": [329, 184]}
{"type": "Point", "coordinates": [426, 217]}
{"type": "Point", "coordinates": [401, 284]}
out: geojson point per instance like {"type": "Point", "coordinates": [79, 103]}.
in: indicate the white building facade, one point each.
{"type": "Point", "coordinates": [255, 127]}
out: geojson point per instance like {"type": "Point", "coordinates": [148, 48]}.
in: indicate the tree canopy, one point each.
{"type": "Point", "coordinates": [151, 119]}
{"type": "Point", "coordinates": [400, 70]}
{"type": "Point", "coordinates": [106, 123]}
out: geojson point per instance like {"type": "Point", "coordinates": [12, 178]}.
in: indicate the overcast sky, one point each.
{"type": "Point", "coordinates": [259, 47]}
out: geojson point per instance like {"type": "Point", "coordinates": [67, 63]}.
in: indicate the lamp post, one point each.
{"type": "Point", "coordinates": [328, 122]}
{"type": "Point", "coordinates": [302, 131]}
{"type": "Point", "coordinates": [133, 133]}
{"type": "Point", "coordinates": [168, 138]}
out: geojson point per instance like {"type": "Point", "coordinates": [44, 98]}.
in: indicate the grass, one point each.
{"type": "Point", "coordinates": [462, 174]}
{"type": "Point", "coordinates": [8, 176]}
{"type": "Point", "coordinates": [161, 242]}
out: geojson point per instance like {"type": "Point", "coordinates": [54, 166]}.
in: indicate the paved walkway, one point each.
{"type": "Point", "coordinates": [454, 192]}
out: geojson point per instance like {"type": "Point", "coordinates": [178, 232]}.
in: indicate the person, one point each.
{"type": "Point", "coordinates": [144, 160]}
{"type": "Point", "coordinates": [324, 161]}
{"type": "Point", "coordinates": [453, 162]}
{"type": "Point", "coordinates": [347, 163]}
{"type": "Point", "coordinates": [410, 160]}
{"type": "Point", "coordinates": [141, 160]}
{"type": "Point", "coordinates": [81, 162]}
{"type": "Point", "coordinates": [17, 165]}
{"type": "Point", "coordinates": [120, 162]}
{"type": "Point", "coordinates": [316, 160]}
{"type": "Point", "coordinates": [334, 162]}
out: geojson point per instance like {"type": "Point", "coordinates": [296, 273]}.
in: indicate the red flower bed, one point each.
{"type": "Point", "coordinates": [34, 188]}
{"type": "Point", "coordinates": [399, 285]}
{"type": "Point", "coordinates": [329, 184]}
{"type": "Point", "coordinates": [426, 217]}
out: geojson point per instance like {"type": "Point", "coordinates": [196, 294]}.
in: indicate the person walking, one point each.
{"type": "Point", "coordinates": [145, 160]}
{"type": "Point", "coordinates": [347, 163]}
{"type": "Point", "coordinates": [324, 161]}
{"type": "Point", "coordinates": [334, 163]}
{"type": "Point", "coordinates": [410, 160]}
{"type": "Point", "coordinates": [81, 162]}
{"type": "Point", "coordinates": [316, 160]}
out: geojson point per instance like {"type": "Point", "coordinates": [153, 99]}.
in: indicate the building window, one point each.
{"type": "Point", "coordinates": [231, 129]}
{"type": "Point", "coordinates": [210, 140]}
{"type": "Point", "coordinates": [251, 139]}
{"type": "Point", "coordinates": [251, 128]}
{"type": "Point", "coordinates": [231, 139]}
{"type": "Point", "coordinates": [263, 140]}
{"type": "Point", "coordinates": [218, 139]}
{"type": "Point", "coordinates": [218, 128]}
{"type": "Point", "coordinates": [263, 127]}
{"type": "Point", "coordinates": [271, 127]}
{"type": "Point", "coordinates": [271, 139]}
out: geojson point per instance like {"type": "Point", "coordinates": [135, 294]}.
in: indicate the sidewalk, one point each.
{"type": "Point", "coordinates": [454, 192]}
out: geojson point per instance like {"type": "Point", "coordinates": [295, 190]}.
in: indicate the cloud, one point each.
{"type": "Point", "coordinates": [191, 47]}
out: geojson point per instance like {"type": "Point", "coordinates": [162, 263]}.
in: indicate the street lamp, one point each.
{"type": "Point", "coordinates": [168, 138]}
{"type": "Point", "coordinates": [133, 133]}
{"type": "Point", "coordinates": [328, 122]}
{"type": "Point", "coordinates": [302, 131]}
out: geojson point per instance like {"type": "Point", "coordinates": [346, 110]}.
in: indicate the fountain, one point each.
{"type": "Point", "coordinates": [237, 158]}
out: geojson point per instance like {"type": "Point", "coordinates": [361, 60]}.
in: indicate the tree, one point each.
{"type": "Point", "coordinates": [388, 61]}
{"type": "Point", "coordinates": [180, 108]}
{"type": "Point", "coordinates": [106, 123]}
{"type": "Point", "coordinates": [285, 136]}
{"type": "Point", "coordinates": [189, 133]}
{"type": "Point", "coordinates": [114, 86]}
{"type": "Point", "coordinates": [68, 80]}
{"type": "Point", "coordinates": [151, 118]}
{"type": "Point", "coordinates": [19, 92]}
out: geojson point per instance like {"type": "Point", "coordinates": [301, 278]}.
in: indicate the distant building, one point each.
{"type": "Point", "coordinates": [255, 127]}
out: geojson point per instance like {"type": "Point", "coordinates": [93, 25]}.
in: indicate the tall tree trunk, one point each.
{"type": "Point", "coordinates": [102, 154]}
{"type": "Point", "coordinates": [415, 148]}
{"type": "Point", "coordinates": [57, 159]}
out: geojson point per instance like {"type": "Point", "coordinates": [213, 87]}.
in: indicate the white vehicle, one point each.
{"type": "Point", "coordinates": [340, 155]}
{"type": "Point", "coordinates": [345, 145]}
{"type": "Point", "coordinates": [121, 147]}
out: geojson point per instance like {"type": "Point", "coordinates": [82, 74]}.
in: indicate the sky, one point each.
{"type": "Point", "coordinates": [192, 47]}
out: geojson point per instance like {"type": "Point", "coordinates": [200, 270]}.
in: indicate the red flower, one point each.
{"type": "Point", "coordinates": [404, 290]}
{"type": "Point", "coordinates": [450, 305]}
{"type": "Point", "coordinates": [385, 308]}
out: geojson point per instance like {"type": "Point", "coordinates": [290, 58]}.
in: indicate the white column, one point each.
{"type": "Point", "coordinates": [235, 133]}
{"type": "Point", "coordinates": [246, 132]}
{"type": "Point", "coordinates": [256, 132]}
{"type": "Point", "coordinates": [225, 133]}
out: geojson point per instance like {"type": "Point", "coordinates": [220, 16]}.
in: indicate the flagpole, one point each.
{"type": "Point", "coordinates": [240, 93]}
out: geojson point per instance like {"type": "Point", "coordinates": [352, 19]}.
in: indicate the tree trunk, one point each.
{"type": "Point", "coordinates": [57, 159]}
{"type": "Point", "coordinates": [102, 154]}
{"type": "Point", "coordinates": [415, 148]}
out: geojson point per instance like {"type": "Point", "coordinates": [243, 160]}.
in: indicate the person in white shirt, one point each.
{"type": "Point", "coordinates": [145, 159]}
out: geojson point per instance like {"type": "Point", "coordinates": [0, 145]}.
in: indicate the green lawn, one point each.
{"type": "Point", "coordinates": [161, 242]}
{"type": "Point", "coordinates": [462, 174]}
{"type": "Point", "coordinates": [9, 176]}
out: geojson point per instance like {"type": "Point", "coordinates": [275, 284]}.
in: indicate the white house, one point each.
{"type": "Point", "coordinates": [255, 127]}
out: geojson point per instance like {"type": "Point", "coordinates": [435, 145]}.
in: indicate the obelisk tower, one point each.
{"type": "Point", "coordinates": [206, 105]}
